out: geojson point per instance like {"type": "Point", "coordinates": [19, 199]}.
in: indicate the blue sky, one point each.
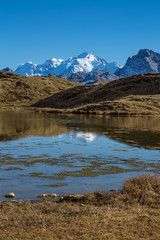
{"type": "Point", "coordinates": [36, 30]}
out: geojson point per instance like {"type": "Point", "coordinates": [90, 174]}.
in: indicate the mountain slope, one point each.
{"type": "Point", "coordinates": [26, 69]}
{"type": "Point", "coordinates": [17, 90]}
{"type": "Point", "coordinates": [144, 62]}
{"type": "Point", "coordinates": [85, 62]}
{"type": "Point", "coordinates": [89, 78]}
{"type": "Point", "coordinates": [112, 67]}
{"type": "Point", "coordinates": [87, 98]}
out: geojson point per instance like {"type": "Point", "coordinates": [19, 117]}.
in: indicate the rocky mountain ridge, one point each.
{"type": "Point", "coordinates": [145, 61]}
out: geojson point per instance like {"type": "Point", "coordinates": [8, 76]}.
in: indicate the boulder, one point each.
{"type": "Point", "coordinates": [10, 195]}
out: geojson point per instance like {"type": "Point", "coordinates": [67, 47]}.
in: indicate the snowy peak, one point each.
{"type": "Point", "coordinates": [26, 69]}
{"type": "Point", "coordinates": [84, 55]}
{"type": "Point", "coordinates": [90, 57]}
{"type": "Point", "coordinates": [53, 62]}
{"type": "Point", "coordinates": [85, 62]}
{"type": "Point", "coordinates": [144, 62]}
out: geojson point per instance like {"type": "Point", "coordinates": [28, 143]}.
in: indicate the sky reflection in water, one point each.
{"type": "Point", "coordinates": [74, 154]}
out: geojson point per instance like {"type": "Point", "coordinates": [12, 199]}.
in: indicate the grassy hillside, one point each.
{"type": "Point", "coordinates": [137, 94]}
{"type": "Point", "coordinates": [17, 90]}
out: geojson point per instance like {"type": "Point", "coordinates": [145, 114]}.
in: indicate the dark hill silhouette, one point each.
{"type": "Point", "coordinates": [142, 84]}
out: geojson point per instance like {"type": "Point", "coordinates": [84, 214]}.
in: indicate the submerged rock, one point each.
{"type": "Point", "coordinates": [73, 197]}
{"type": "Point", "coordinates": [48, 195]}
{"type": "Point", "coordinates": [10, 195]}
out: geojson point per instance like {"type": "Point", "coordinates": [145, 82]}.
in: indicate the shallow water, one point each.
{"type": "Point", "coordinates": [47, 153]}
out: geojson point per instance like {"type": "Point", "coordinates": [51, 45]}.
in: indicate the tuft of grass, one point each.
{"type": "Point", "coordinates": [144, 189]}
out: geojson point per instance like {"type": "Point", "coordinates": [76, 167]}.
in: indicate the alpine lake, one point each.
{"type": "Point", "coordinates": [65, 154]}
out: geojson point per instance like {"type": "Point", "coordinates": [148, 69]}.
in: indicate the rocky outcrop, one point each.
{"type": "Point", "coordinates": [93, 77]}
{"type": "Point", "coordinates": [78, 77]}
{"type": "Point", "coordinates": [7, 70]}
{"type": "Point", "coordinates": [144, 62]}
{"type": "Point", "coordinates": [101, 81]}
{"type": "Point", "coordinates": [52, 74]}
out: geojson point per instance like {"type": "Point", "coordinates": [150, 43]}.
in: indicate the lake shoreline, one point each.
{"type": "Point", "coordinates": [80, 112]}
{"type": "Point", "coordinates": [92, 112]}
{"type": "Point", "coordinates": [135, 190]}
{"type": "Point", "coordinates": [133, 212]}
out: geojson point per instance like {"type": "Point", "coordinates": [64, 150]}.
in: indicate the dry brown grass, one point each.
{"type": "Point", "coordinates": [116, 217]}
{"type": "Point", "coordinates": [72, 221]}
{"type": "Point", "coordinates": [130, 105]}
{"type": "Point", "coordinates": [144, 189]}
{"type": "Point", "coordinates": [133, 95]}
{"type": "Point", "coordinates": [17, 90]}
{"type": "Point", "coordinates": [142, 84]}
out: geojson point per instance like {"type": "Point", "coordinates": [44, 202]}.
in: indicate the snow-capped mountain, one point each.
{"type": "Point", "coordinates": [47, 67]}
{"type": "Point", "coordinates": [26, 69]}
{"type": "Point", "coordinates": [84, 62]}
{"type": "Point", "coordinates": [144, 62]}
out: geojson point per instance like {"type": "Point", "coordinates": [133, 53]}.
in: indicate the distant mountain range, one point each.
{"type": "Point", "coordinates": [87, 68]}
{"type": "Point", "coordinates": [85, 62]}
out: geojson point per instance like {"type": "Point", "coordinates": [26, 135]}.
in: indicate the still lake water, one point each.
{"type": "Point", "coordinates": [47, 153]}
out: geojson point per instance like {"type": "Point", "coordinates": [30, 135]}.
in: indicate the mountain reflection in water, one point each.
{"type": "Point", "coordinates": [139, 131]}
{"type": "Point", "coordinates": [41, 153]}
